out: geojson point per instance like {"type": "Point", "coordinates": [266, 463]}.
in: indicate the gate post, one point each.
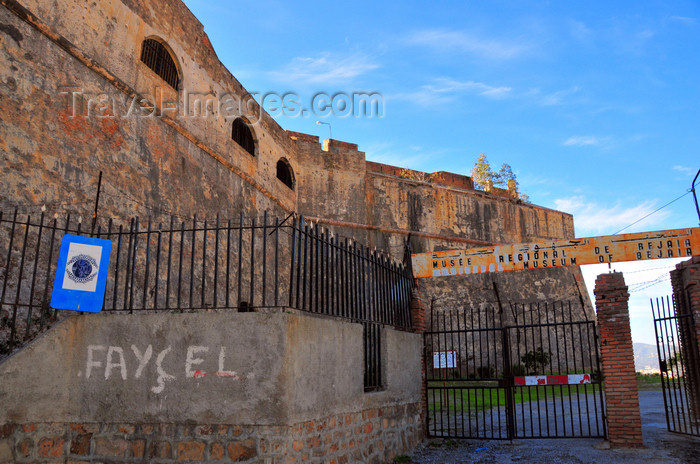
{"type": "Point", "coordinates": [685, 280]}
{"type": "Point", "coordinates": [620, 383]}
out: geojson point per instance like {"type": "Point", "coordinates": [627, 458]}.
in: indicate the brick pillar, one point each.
{"type": "Point", "coordinates": [417, 311]}
{"type": "Point", "coordinates": [685, 280]}
{"type": "Point", "coordinates": [418, 318]}
{"type": "Point", "coordinates": [621, 397]}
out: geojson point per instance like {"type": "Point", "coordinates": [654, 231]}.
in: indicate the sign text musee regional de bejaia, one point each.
{"type": "Point", "coordinates": [676, 243]}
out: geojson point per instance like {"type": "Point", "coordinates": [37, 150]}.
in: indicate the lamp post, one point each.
{"type": "Point", "coordinates": [320, 123]}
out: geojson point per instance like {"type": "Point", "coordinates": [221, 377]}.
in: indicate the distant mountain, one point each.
{"type": "Point", "coordinates": [645, 357]}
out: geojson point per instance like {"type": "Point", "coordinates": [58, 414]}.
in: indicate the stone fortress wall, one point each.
{"type": "Point", "coordinates": [73, 73]}
{"type": "Point", "coordinates": [77, 100]}
{"type": "Point", "coordinates": [70, 78]}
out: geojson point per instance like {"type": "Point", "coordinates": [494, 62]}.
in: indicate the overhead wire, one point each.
{"type": "Point", "coordinates": [653, 212]}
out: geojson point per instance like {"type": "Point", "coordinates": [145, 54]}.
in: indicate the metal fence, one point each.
{"type": "Point", "coordinates": [537, 377]}
{"type": "Point", "coordinates": [372, 344]}
{"type": "Point", "coordinates": [339, 277]}
{"type": "Point", "coordinates": [239, 265]}
{"type": "Point", "coordinates": [676, 344]}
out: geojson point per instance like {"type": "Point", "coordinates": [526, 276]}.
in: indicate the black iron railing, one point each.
{"type": "Point", "coordinates": [339, 277]}
{"type": "Point", "coordinates": [372, 344]}
{"type": "Point", "coordinates": [241, 265]}
{"type": "Point", "coordinates": [533, 374]}
{"type": "Point", "coordinates": [677, 348]}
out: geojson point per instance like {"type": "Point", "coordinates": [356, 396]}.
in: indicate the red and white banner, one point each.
{"type": "Point", "coordinates": [571, 379]}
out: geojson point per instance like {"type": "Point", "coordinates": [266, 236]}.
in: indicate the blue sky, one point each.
{"type": "Point", "coordinates": [593, 104]}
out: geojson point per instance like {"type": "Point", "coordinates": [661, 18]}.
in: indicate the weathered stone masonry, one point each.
{"type": "Point", "coordinates": [187, 165]}
{"type": "Point", "coordinates": [71, 92]}
{"type": "Point", "coordinates": [373, 435]}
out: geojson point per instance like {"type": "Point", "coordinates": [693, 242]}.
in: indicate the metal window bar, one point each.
{"type": "Point", "coordinates": [156, 56]}
{"type": "Point", "coordinates": [243, 136]}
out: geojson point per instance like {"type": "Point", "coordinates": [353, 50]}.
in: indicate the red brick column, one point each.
{"type": "Point", "coordinates": [419, 325]}
{"type": "Point", "coordinates": [621, 397]}
{"type": "Point", "coordinates": [685, 280]}
{"type": "Point", "coordinates": [417, 312]}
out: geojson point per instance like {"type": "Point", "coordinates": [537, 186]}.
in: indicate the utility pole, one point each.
{"type": "Point", "coordinates": [692, 189]}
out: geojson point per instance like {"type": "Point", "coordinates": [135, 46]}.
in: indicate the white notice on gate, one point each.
{"type": "Point", "coordinates": [444, 359]}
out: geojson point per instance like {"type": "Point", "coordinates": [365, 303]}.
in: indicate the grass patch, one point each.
{"type": "Point", "coordinates": [464, 397]}
{"type": "Point", "coordinates": [648, 381]}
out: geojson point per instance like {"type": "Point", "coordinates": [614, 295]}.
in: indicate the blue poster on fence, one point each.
{"type": "Point", "coordinates": [81, 274]}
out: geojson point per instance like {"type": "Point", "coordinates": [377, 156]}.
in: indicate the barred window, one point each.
{"type": "Point", "coordinates": [243, 136]}
{"type": "Point", "coordinates": [285, 173]}
{"type": "Point", "coordinates": [156, 56]}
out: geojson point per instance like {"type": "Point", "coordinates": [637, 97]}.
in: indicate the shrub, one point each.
{"type": "Point", "coordinates": [518, 370]}
{"type": "Point", "coordinates": [536, 359]}
{"type": "Point", "coordinates": [485, 372]}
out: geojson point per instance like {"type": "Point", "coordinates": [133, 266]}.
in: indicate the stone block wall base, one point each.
{"type": "Point", "coordinates": [371, 436]}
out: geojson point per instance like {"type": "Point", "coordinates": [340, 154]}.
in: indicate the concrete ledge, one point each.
{"type": "Point", "coordinates": [235, 368]}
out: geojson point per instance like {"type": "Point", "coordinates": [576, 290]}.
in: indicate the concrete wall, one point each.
{"type": "Point", "coordinates": [266, 372]}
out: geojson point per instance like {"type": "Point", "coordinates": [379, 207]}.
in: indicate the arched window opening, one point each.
{"type": "Point", "coordinates": [158, 58]}
{"type": "Point", "coordinates": [243, 136]}
{"type": "Point", "coordinates": [285, 173]}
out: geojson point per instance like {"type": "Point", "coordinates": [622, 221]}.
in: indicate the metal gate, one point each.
{"type": "Point", "coordinates": [679, 364]}
{"type": "Point", "coordinates": [532, 374]}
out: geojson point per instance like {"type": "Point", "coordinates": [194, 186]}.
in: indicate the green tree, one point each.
{"type": "Point", "coordinates": [536, 360]}
{"type": "Point", "coordinates": [482, 173]}
{"type": "Point", "coordinates": [506, 174]}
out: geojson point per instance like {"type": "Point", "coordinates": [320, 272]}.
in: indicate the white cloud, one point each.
{"type": "Point", "coordinates": [464, 42]}
{"type": "Point", "coordinates": [580, 31]}
{"type": "Point", "coordinates": [558, 98]}
{"type": "Point", "coordinates": [683, 19]}
{"type": "Point", "coordinates": [445, 90]}
{"type": "Point", "coordinates": [684, 169]}
{"type": "Point", "coordinates": [645, 280]}
{"type": "Point", "coordinates": [325, 69]}
{"type": "Point", "coordinates": [593, 219]}
{"type": "Point", "coordinates": [582, 141]}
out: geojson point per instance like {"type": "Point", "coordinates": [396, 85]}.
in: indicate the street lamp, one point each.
{"type": "Point", "coordinates": [320, 123]}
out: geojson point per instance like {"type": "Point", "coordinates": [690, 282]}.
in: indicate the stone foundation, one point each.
{"type": "Point", "coordinates": [370, 436]}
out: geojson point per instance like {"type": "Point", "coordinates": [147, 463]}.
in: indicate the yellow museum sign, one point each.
{"type": "Point", "coordinates": [676, 243]}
